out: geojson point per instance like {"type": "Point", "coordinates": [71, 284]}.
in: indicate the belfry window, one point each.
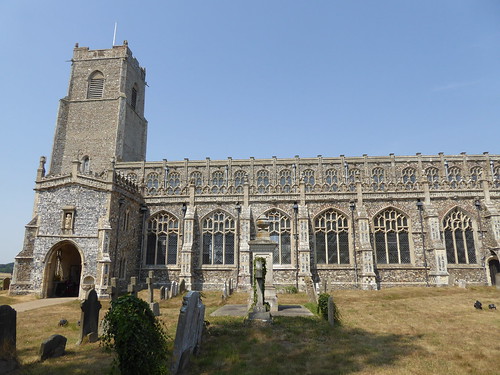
{"type": "Point", "coordinates": [218, 239]}
{"type": "Point", "coordinates": [459, 238]}
{"type": "Point", "coordinates": [331, 238]}
{"type": "Point", "coordinates": [280, 232]}
{"type": "Point", "coordinates": [391, 238]}
{"type": "Point", "coordinates": [133, 97]}
{"type": "Point", "coordinates": [96, 86]}
{"type": "Point", "coordinates": [162, 239]}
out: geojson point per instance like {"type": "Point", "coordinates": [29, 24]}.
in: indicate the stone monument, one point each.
{"type": "Point", "coordinates": [90, 317]}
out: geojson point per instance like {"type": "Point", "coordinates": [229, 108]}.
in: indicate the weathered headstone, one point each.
{"type": "Point", "coordinates": [162, 293]}
{"type": "Point", "coordinates": [6, 283]}
{"type": "Point", "coordinates": [189, 331]}
{"type": "Point", "coordinates": [8, 320]}
{"type": "Point", "coordinates": [54, 346]}
{"type": "Point", "coordinates": [112, 289]}
{"type": "Point", "coordinates": [224, 291]}
{"type": "Point", "coordinates": [132, 287]}
{"type": "Point", "coordinates": [174, 289]}
{"type": "Point", "coordinates": [89, 321]}
{"type": "Point", "coordinates": [323, 286]}
{"type": "Point", "coordinates": [182, 286]}
{"type": "Point", "coordinates": [331, 311]}
{"type": "Point", "coordinates": [154, 306]}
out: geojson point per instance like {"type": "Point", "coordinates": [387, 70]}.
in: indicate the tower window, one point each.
{"type": "Point", "coordinates": [133, 99]}
{"type": "Point", "coordinates": [96, 86]}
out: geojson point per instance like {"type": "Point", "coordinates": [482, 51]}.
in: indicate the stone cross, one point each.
{"type": "Point", "coordinates": [154, 306]}
{"type": "Point", "coordinates": [132, 287]}
{"type": "Point", "coordinates": [89, 321]}
{"type": "Point", "coordinates": [112, 290]}
{"type": "Point", "coordinates": [8, 318]}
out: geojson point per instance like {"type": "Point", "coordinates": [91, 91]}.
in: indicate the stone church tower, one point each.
{"type": "Point", "coordinates": [102, 117]}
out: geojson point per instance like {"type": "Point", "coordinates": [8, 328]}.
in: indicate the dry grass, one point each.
{"type": "Point", "coordinates": [392, 331]}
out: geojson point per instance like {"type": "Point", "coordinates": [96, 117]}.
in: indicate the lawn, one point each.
{"type": "Point", "coordinates": [392, 331]}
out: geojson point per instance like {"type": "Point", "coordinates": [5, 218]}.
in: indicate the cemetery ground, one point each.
{"type": "Point", "coordinates": [391, 331]}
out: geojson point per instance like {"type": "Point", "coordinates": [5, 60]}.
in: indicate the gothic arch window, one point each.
{"type": "Point", "coordinates": [332, 179]}
{"type": "Point", "coordinates": [459, 238]}
{"type": "Point", "coordinates": [353, 176]}
{"type": "Point", "coordinates": [378, 177]}
{"type": "Point", "coordinates": [85, 166]}
{"type": "Point", "coordinates": [218, 182]}
{"type": "Point", "coordinates": [239, 180]}
{"type": "Point", "coordinates": [152, 183]}
{"type": "Point", "coordinates": [132, 176]}
{"type": "Point", "coordinates": [432, 174]}
{"type": "Point", "coordinates": [454, 177]}
{"type": "Point", "coordinates": [309, 179]}
{"type": "Point", "coordinates": [475, 175]}
{"type": "Point", "coordinates": [174, 183]}
{"type": "Point", "coordinates": [96, 85]}
{"type": "Point", "coordinates": [263, 181]}
{"type": "Point", "coordinates": [280, 232]}
{"type": "Point", "coordinates": [285, 180]}
{"type": "Point", "coordinates": [133, 97]}
{"type": "Point", "coordinates": [331, 238]}
{"type": "Point", "coordinates": [218, 233]}
{"type": "Point", "coordinates": [197, 179]}
{"type": "Point", "coordinates": [162, 239]}
{"type": "Point", "coordinates": [496, 176]}
{"type": "Point", "coordinates": [391, 240]}
{"type": "Point", "coordinates": [409, 178]}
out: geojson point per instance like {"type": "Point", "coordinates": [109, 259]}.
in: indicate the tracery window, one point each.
{"type": "Point", "coordinates": [285, 180]}
{"type": "Point", "coordinates": [332, 179]}
{"type": "Point", "coordinates": [239, 180]}
{"type": "Point", "coordinates": [152, 183]}
{"type": "Point", "coordinates": [132, 176]}
{"type": "Point", "coordinates": [96, 86]}
{"type": "Point", "coordinates": [218, 239]}
{"type": "Point", "coordinates": [391, 240]}
{"type": "Point", "coordinates": [218, 182]}
{"type": "Point", "coordinates": [454, 177]}
{"type": "Point", "coordinates": [263, 181]}
{"type": "Point", "coordinates": [280, 232]}
{"type": "Point", "coordinates": [331, 238]}
{"type": "Point", "coordinates": [197, 179]}
{"type": "Point", "coordinates": [309, 179]}
{"type": "Point", "coordinates": [432, 174]}
{"type": "Point", "coordinates": [409, 178]}
{"type": "Point", "coordinates": [496, 176]}
{"type": "Point", "coordinates": [459, 238]}
{"type": "Point", "coordinates": [173, 183]}
{"type": "Point", "coordinates": [378, 175]}
{"type": "Point", "coordinates": [162, 239]}
{"type": "Point", "coordinates": [475, 176]}
{"type": "Point", "coordinates": [352, 177]}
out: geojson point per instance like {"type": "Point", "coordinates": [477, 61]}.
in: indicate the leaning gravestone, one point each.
{"type": "Point", "coordinates": [8, 318]}
{"type": "Point", "coordinates": [54, 346]}
{"type": "Point", "coordinates": [89, 321]}
{"type": "Point", "coordinates": [189, 330]}
{"type": "Point", "coordinates": [6, 283]}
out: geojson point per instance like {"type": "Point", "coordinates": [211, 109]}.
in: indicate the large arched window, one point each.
{"type": "Point", "coordinates": [162, 239]}
{"type": "Point", "coordinates": [96, 85]}
{"type": "Point", "coordinates": [280, 232]}
{"type": "Point", "coordinates": [391, 237]}
{"type": "Point", "coordinates": [285, 180]}
{"type": "Point", "coordinates": [459, 238]}
{"type": "Point", "coordinates": [218, 239]}
{"type": "Point", "coordinates": [331, 238]}
{"type": "Point", "coordinates": [262, 181]}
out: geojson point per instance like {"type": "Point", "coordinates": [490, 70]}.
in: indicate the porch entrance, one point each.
{"type": "Point", "coordinates": [63, 271]}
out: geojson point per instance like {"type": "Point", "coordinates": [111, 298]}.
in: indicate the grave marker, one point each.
{"type": "Point", "coordinates": [155, 308]}
{"type": "Point", "coordinates": [89, 320]}
{"type": "Point", "coordinates": [8, 320]}
{"type": "Point", "coordinates": [54, 346]}
{"type": "Point", "coordinates": [6, 283]}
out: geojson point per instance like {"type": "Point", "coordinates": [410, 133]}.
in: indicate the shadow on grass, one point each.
{"type": "Point", "coordinates": [296, 345]}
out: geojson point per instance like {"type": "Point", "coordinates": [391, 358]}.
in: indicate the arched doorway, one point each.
{"type": "Point", "coordinates": [494, 266]}
{"type": "Point", "coordinates": [63, 271]}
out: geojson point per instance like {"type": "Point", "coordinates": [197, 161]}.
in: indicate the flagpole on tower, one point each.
{"type": "Point", "coordinates": [114, 35]}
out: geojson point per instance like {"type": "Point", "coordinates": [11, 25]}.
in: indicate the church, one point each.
{"type": "Point", "coordinates": [102, 211]}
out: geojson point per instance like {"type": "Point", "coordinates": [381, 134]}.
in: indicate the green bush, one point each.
{"type": "Point", "coordinates": [323, 308]}
{"type": "Point", "coordinates": [134, 333]}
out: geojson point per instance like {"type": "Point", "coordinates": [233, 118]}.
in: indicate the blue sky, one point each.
{"type": "Point", "coordinates": [258, 78]}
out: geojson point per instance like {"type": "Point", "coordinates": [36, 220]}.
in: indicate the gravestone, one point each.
{"type": "Point", "coordinates": [112, 289]}
{"type": "Point", "coordinates": [224, 291]}
{"type": "Point", "coordinates": [132, 287]}
{"type": "Point", "coordinates": [175, 289]}
{"type": "Point", "coordinates": [497, 278]}
{"type": "Point", "coordinates": [6, 283]}
{"type": "Point", "coordinates": [331, 311]}
{"type": "Point", "coordinates": [155, 308]}
{"type": "Point", "coordinates": [54, 346]}
{"type": "Point", "coordinates": [329, 284]}
{"type": "Point", "coordinates": [8, 320]}
{"type": "Point", "coordinates": [162, 293]}
{"type": "Point", "coordinates": [189, 331]}
{"type": "Point", "coordinates": [182, 286]}
{"type": "Point", "coordinates": [89, 321]}
{"type": "Point", "coordinates": [323, 286]}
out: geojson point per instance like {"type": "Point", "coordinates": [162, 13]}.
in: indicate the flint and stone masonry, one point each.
{"type": "Point", "coordinates": [365, 222]}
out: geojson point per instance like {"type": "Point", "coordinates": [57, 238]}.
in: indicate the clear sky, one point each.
{"type": "Point", "coordinates": [258, 78]}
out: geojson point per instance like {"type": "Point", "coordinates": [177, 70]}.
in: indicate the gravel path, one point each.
{"type": "Point", "coordinates": [43, 302]}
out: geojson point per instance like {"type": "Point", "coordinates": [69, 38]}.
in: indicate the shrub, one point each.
{"type": "Point", "coordinates": [323, 308]}
{"type": "Point", "coordinates": [137, 337]}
